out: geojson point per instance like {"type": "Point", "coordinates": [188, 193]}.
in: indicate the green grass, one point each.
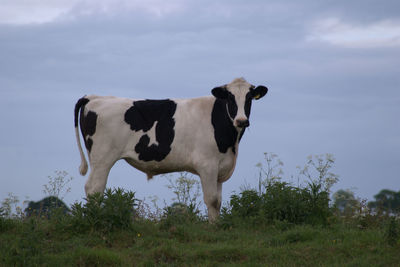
{"type": "Point", "coordinates": [106, 231]}
{"type": "Point", "coordinates": [39, 242]}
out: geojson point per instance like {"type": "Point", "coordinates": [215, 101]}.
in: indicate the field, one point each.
{"type": "Point", "coordinates": [182, 239]}
{"type": "Point", "coordinates": [278, 224]}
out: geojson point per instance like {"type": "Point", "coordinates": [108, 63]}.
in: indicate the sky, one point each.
{"type": "Point", "coordinates": [332, 69]}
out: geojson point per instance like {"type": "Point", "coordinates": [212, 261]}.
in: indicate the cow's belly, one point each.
{"type": "Point", "coordinates": [172, 163]}
{"type": "Point", "coordinates": [153, 168]}
{"type": "Point", "coordinates": [178, 161]}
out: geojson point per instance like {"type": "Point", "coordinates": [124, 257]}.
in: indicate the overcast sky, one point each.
{"type": "Point", "coordinates": [332, 69]}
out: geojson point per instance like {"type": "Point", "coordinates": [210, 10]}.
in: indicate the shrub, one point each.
{"type": "Point", "coordinates": [278, 201]}
{"type": "Point", "coordinates": [179, 213]}
{"type": "Point", "coordinates": [46, 207]}
{"type": "Point", "coordinates": [317, 203]}
{"type": "Point", "coordinates": [247, 204]}
{"type": "Point", "coordinates": [392, 232]}
{"type": "Point", "coordinates": [281, 202]}
{"type": "Point", "coordinates": [105, 212]}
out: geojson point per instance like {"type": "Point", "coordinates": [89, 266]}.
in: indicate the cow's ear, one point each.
{"type": "Point", "coordinates": [259, 92]}
{"type": "Point", "coordinates": [220, 92]}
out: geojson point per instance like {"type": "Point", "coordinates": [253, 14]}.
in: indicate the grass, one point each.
{"type": "Point", "coordinates": [287, 227]}
{"type": "Point", "coordinates": [38, 242]}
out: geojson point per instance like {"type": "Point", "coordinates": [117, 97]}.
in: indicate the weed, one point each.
{"type": "Point", "coordinates": [105, 212]}
{"type": "Point", "coordinates": [9, 205]}
{"type": "Point", "coordinates": [280, 202]}
{"type": "Point", "coordinates": [178, 214]}
{"type": "Point", "coordinates": [186, 189]}
{"type": "Point", "coordinates": [392, 233]}
{"type": "Point", "coordinates": [57, 184]}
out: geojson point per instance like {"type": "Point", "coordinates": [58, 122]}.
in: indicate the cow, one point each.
{"type": "Point", "coordinates": [198, 135]}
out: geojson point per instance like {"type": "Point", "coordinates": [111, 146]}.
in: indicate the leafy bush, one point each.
{"type": "Point", "coordinates": [283, 202]}
{"type": "Point", "coordinates": [316, 203]}
{"type": "Point", "coordinates": [392, 233]}
{"type": "Point", "coordinates": [277, 201]}
{"type": "Point", "coordinates": [105, 212]}
{"type": "Point", "coordinates": [46, 207]}
{"type": "Point", "coordinates": [178, 214]}
{"type": "Point", "coordinates": [280, 202]}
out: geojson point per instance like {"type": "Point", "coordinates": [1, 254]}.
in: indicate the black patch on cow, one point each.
{"type": "Point", "coordinates": [78, 107]}
{"type": "Point", "coordinates": [241, 134]}
{"type": "Point", "coordinates": [89, 144]}
{"type": "Point", "coordinates": [224, 132]}
{"type": "Point", "coordinates": [88, 128]}
{"type": "Point", "coordinates": [232, 106]}
{"type": "Point", "coordinates": [247, 109]}
{"type": "Point", "coordinates": [142, 116]}
{"type": "Point", "coordinates": [247, 104]}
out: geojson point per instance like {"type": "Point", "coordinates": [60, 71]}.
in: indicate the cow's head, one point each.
{"type": "Point", "coordinates": [238, 96]}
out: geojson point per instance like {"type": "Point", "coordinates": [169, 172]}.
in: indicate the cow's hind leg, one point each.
{"type": "Point", "coordinates": [98, 177]}
{"type": "Point", "coordinates": [211, 193]}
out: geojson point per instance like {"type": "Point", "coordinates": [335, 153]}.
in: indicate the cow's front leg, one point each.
{"type": "Point", "coordinates": [211, 193]}
{"type": "Point", "coordinates": [219, 195]}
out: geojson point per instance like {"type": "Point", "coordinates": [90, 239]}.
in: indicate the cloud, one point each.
{"type": "Point", "coordinates": [156, 8]}
{"type": "Point", "coordinates": [45, 11]}
{"type": "Point", "coordinates": [385, 33]}
{"type": "Point", "coordinates": [33, 11]}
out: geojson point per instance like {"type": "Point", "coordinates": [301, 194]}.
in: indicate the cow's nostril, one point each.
{"type": "Point", "coordinates": [242, 123]}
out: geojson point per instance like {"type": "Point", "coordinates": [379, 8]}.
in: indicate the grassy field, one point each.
{"type": "Point", "coordinates": [280, 225]}
{"type": "Point", "coordinates": [55, 242]}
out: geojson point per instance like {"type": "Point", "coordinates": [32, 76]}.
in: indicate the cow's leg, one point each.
{"type": "Point", "coordinates": [99, 170]}
{"type": "Point", "coordinates": [219, 195]}
{"type": "Point", "coordinates": [97, 179]}
{"type": "Point", "coordinates": [211, 193]}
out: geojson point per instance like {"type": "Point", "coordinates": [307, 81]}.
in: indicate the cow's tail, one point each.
{"type": "Point", "coordinates": [78, 110]}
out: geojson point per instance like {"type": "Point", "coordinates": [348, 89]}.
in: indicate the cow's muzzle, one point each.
{"type": "Point", "coordinates": [242, 123]}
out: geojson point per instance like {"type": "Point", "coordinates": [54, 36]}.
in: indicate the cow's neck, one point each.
{"type": "Point", "coordinates": [226, 135]}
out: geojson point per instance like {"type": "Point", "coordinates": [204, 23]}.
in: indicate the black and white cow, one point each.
{"type": "Point", "coordinates": [198, 135]}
